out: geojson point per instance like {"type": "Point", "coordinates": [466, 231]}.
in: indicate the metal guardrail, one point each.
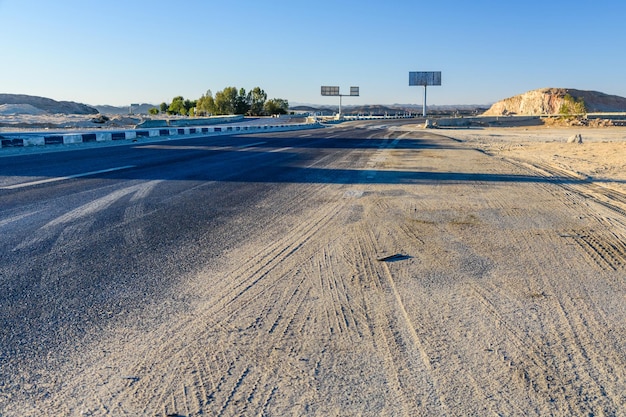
{"type": "Point", "coordinates": [12, 140]}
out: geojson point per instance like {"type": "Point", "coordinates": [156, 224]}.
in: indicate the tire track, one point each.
{"type": "Point", "coordinates": [583, 334]}
{"type": "Point", "coordinates": [291, 312]}
{"type": "Point", "coordinates": [407, 363]}
{"type": "Point", "coordinates": [566, 331]}
{"type": "Point", "coordinates": [136, 210]}
{"type": "Point", "coordinates": [430, 235]}
{"type": "Point", "coordinates": [265, 277]}
{"type": "Point", "coordinates": [86, 214]}
{"type": "Point", "coordinates": [607, 249]}
{"type": "Point", "coordinates": [527, 367]}
{"type": "Point", "coordinates": [572, 329]}
{"type": "Point", "coordinates": [607, 197]}
{"type": "Point", "coordinates": [446, 331]}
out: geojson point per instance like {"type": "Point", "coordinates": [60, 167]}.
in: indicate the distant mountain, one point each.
{"type": "Point", "coordinates": [381, 110]}
{"type": "Point", "coordinates": [446, 107]}
{"type": "Point", "coordinates": [546, 101]}
{"type": "Point", "coordinates": [47, 104]}
{"type": "Point", "coordinates": [313, 109]}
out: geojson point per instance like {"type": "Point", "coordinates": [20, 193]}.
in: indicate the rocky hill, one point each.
{"type": "Point", "coordinates": [548, 101]}
{"type": "Point", "coordinates": [47, 105]}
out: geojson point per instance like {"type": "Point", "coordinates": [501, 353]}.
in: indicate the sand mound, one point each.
{"type": "Point", "coordinates": [47, 104]}
{"type": "Point", "coordinates": [18, 109]}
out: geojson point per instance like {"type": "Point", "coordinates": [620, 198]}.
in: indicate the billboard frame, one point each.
{"type": "Point", "coordinates": [424, 78]}
{"type": "Point", "coordinates": [330, 90]}
{"type": "Point", "coordinates": [333, 91]}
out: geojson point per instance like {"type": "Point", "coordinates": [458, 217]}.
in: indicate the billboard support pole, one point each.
{"type": "Point", "coordinates": [334, 91]}
{"type": "Point", "coordinates": [424, 78]}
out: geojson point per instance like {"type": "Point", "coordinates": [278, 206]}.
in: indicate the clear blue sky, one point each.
{"type": "Point", "coordinates": [117, 52]}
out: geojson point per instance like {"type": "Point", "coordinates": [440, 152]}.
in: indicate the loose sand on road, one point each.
{"type": "Point", "coordinates": [474, 272]}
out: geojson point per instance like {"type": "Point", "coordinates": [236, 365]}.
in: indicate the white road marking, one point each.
{"type": "Point", "coordinates": [179, 148]}
{"type": "Point", "coordinates": [251, 144]}
{"type": "Point", "coordinates": [47, 180]}
{"type": "Point", "coordinates": [281, 149]}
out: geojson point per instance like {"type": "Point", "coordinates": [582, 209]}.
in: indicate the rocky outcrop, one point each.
{"type": "Point", "coordinates": [46, 104]}
{"type": "Point", "coordinates": [577, 138]}
{"type": "Point", "coordinates": [547, 101]}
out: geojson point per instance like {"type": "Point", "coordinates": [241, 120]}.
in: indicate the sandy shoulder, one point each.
{"type": "Point", "coordinates": [600, 158]}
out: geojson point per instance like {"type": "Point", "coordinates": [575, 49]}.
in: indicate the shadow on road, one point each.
{"type": "Point", "coordinates": [253, 158]}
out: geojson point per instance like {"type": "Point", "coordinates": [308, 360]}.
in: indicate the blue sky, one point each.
{"type": "Point", "coordinates": [118, 52]}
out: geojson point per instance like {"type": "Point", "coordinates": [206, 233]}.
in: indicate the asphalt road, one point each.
{"type": "Point", "coordinates": [91, 234]}
{"type": "Point", "coordinates": [353, 270]}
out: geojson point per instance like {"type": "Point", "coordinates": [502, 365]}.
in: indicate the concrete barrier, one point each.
{"type": "Point", "coordinates": [200, 121]}
{"type": "Point", "coordinates": [12, 140]}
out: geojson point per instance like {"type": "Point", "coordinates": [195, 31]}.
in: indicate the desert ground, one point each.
{"type": "Point", "coordinates": [600, 158]}
{"type": "Point", "coordinates": [491, 284]}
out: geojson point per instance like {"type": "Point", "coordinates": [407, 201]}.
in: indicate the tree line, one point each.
{"type": "Point", "coordinates": [228, 101]}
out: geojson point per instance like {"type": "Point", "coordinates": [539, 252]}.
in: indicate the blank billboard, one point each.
{"type": "Point", "coordinates": [330, 90]}
{"type": "Point", "coordinates": [425, 78]}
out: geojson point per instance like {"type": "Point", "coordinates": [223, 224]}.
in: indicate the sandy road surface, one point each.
{"type": "Point", "coordinates": [506, 296]}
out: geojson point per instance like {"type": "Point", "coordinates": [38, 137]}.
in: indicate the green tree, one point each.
{"type": "Point", "coordinates": [225, 101]}
{"type": "Point", "coordinates": [236, 101]}
{"type": "Point", "coordinates": [205, 105]}
{"type": "Point", "coordinates": [242, 102]}
{"type": "Point", "coordinates": [257, 101]}
{"type": "Point", "coordinates": [572, 106]}
{"type": "Point", "coordinates": [153, 111]}
{"type": "Point", "coordinates": [189, 106]}
{"type": "Point", "coordinates": [276, 106]}
{"type": "Point", "coordinates": [177, 106]}
{"type": "Point", "coordinates": [163, 107]}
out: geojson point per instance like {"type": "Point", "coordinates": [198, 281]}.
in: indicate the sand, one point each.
{"type": "Point", "coordinates": [600, 158]}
